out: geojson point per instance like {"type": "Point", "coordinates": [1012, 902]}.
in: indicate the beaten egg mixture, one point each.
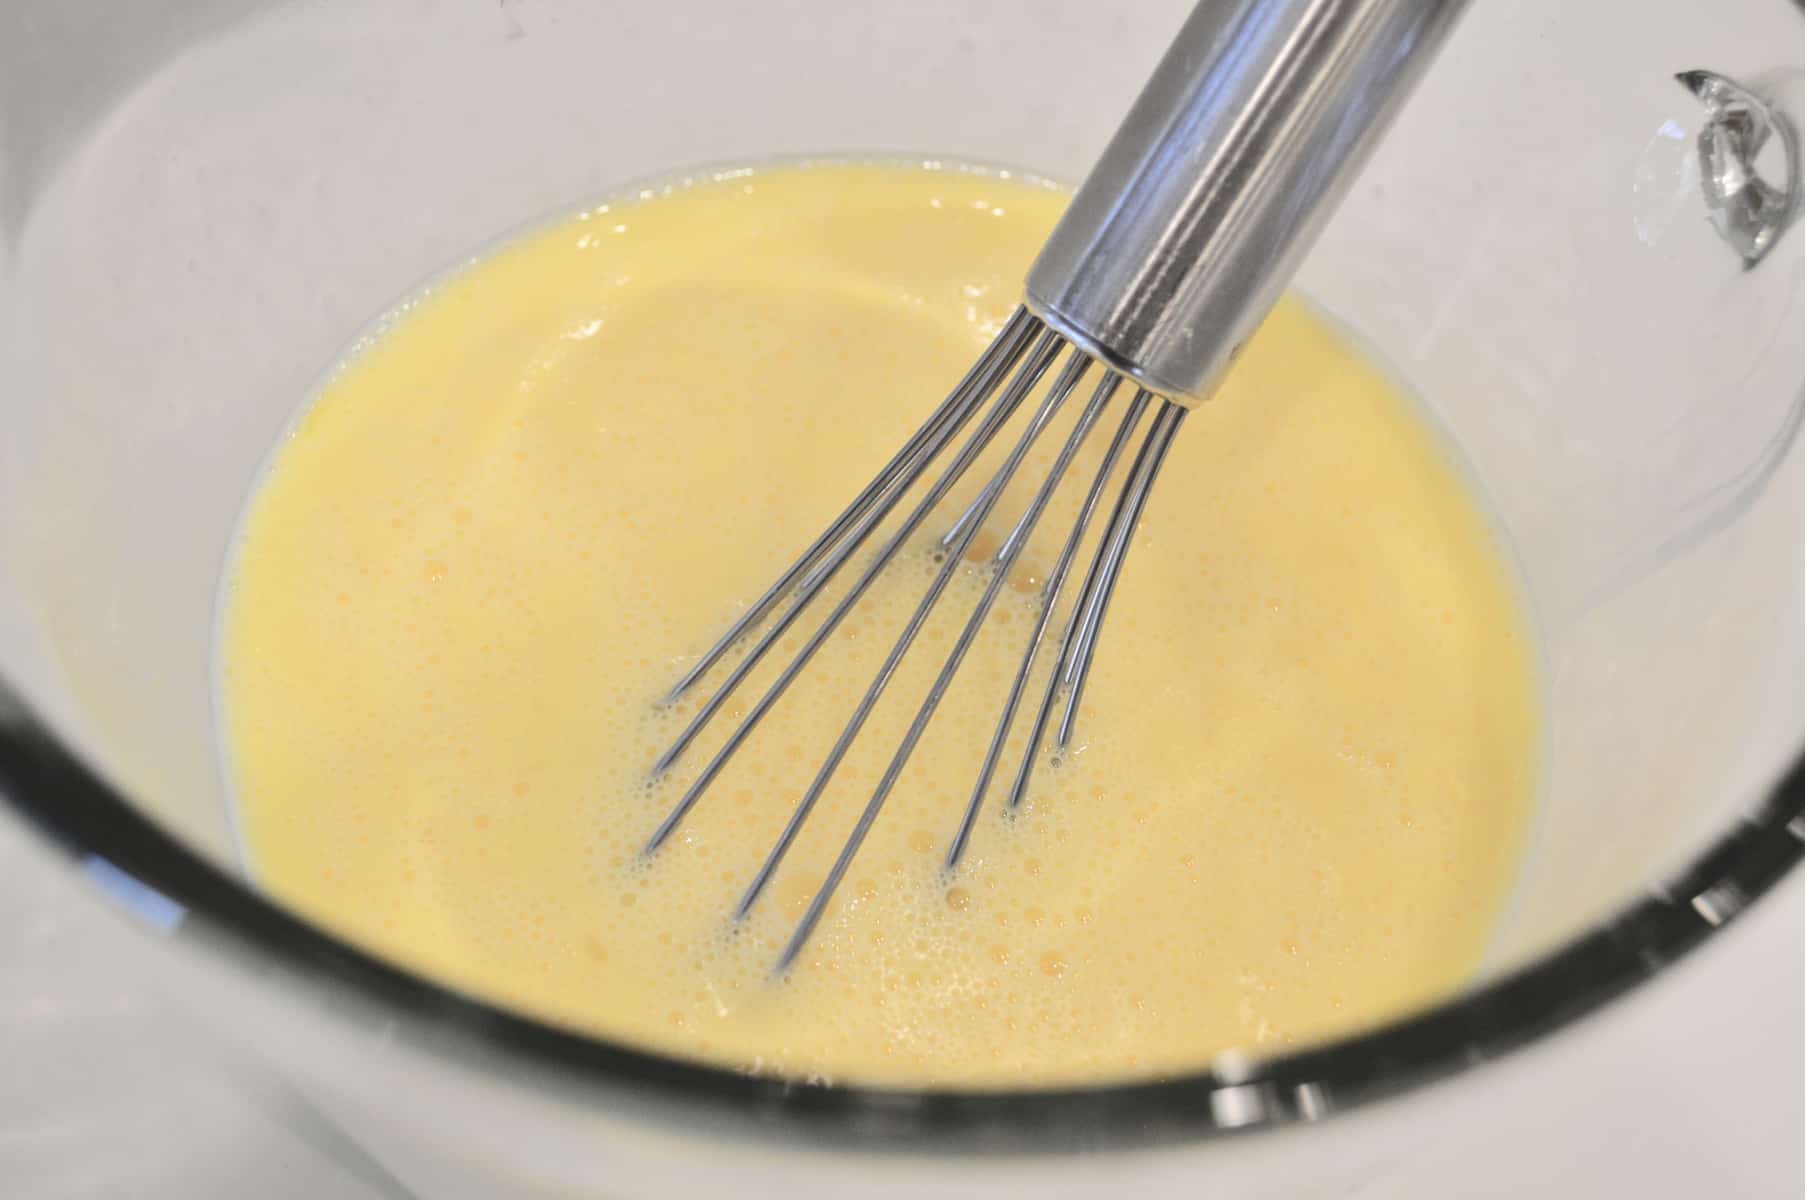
{"type": "Point", "coordinates": [1304, 766]}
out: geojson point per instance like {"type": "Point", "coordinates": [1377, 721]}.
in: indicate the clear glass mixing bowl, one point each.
{"type": "Point", "coordinates": [201, 202]}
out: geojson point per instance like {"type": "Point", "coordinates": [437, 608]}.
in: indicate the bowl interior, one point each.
{"type": "Point", "coordinates": [201, 205]}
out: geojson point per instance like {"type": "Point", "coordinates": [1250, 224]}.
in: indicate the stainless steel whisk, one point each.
{"type": "Point", "coordinates": [1175, 248]}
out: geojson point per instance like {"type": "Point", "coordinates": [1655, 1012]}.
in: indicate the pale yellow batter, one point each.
{"type": "Point", "coordinates": [1307, 757]}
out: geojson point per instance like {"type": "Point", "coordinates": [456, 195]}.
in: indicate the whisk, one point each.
{"type": "Point", "coordinates": [1171, 253]}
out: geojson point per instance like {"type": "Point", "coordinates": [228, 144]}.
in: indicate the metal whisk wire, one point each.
{"type": "Point", "coordinates": [850, 529]}
{"type": "Point", "coordinates": [1045, 350]}
{"type": "Point", "coordinates": [1026, 347]}
{"type": "Point", "coordinates": [1068, 379]}
{"type": "Point", "coordinates": [1049, 599]}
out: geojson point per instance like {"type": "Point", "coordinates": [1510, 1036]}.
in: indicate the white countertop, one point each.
{"type": "Point", "coordinates": [1688, 1088]}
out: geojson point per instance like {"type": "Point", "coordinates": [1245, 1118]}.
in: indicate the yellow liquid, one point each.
{"type": "Point", "coordinates": [1304, 766]}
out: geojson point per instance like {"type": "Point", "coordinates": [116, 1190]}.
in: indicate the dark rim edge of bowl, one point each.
{"type": "Point", "coordinates": [79, 813]}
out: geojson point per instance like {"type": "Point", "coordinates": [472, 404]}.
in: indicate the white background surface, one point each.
{"type": "Point", "coordinates": [1690, 1087]}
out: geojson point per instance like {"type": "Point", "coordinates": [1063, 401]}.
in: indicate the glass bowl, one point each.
{"type": "Point", "coordinates": [202, 202]}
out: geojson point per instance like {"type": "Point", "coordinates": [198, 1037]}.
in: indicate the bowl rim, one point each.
{"type": "Point", "coordinates": [172, 890]}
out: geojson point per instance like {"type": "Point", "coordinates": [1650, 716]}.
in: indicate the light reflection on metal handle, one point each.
{"type": "Point", "coordinates": [1193, 220]}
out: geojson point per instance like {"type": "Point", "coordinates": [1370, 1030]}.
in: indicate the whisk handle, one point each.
{"type": "Point", "coordinates": [1193, 220]}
